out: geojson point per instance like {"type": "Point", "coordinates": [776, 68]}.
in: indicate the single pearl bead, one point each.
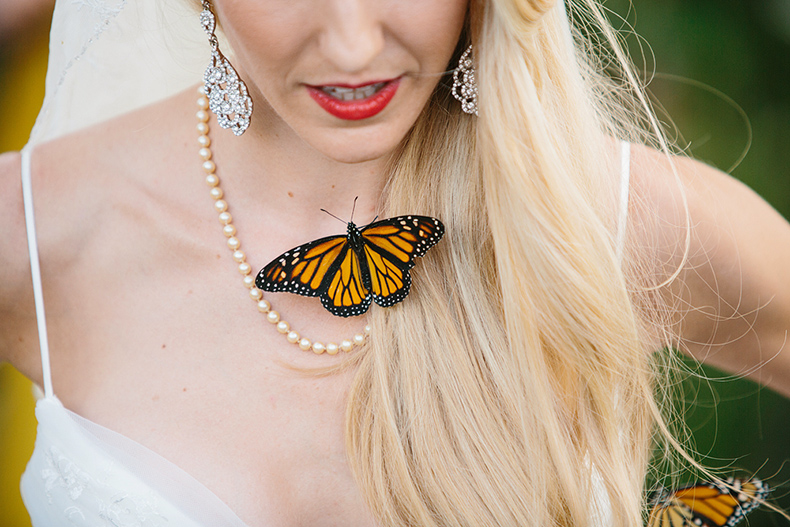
{"type": "Point", "coordinates": [239, 256]}
{"type": "Point", "coordinates": [233, 243]}
{"type": "Point", "coordinates": [216, 192]}
{"type": "Point", "coordinates": [203, 102]}
{"type": "Point", "coordinates": [293, 337]}
{"type": "Point", "coordinates": [264, 306]}
{"type": "Point", "coordinates": [318, 348]}
{"type": "Point", "coordinates": [359, 339]}
{"type": "Point", "coordinates": [367, 329]}
{"type": "Point", "coordinates": [201, 90]}
{"type": "Point", "coordinates": [203, 140]}
{"type": "Point", "coordinates": [220, 205]}
{"type": "Point", "coordinates": [229, 230]}
{"type": "Point", "coordinates": [212, 180]}
{"type": "Point", "coordinates": [346, 345]}
{"type": "Point", "coordinates": [332, 348]}
{"type": "Point", "coordinates": [256, 294]}
{"type": "Point", "coordinates": [283, 327]}
{"type": "Point", "coordinates": [225, 216]}
{"type": "Point", "coordinates": [202, 129]}
{"type": "Point", "coordinates": [204, 153]}
{"type": "Point", "coordinates": [273, 317]}
{"type": "Point", "coordinates": [244, 268]}
{"type": "Point", "coordinates": [249, 281]}
{"type": "Point", "coordinates": [202, 116]}
{"type": "Point", "coordinates": [209, 167]}
{"type": "Point", "coordinates": [305, 344]}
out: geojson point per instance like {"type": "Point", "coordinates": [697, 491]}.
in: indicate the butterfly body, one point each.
{"type": "Point", "coordinates": [348, 272]}
{"type": "Point", "coordinates": [357, 244]}
{"type": "Point", "coordinates": [707, 504]}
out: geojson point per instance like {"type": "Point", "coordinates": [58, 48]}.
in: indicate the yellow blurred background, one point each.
{"type": "Point", "coordinates": [24, 30]}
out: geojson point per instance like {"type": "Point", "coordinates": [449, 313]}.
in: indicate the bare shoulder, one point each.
{"type": "Point", "coordinates": [16, 292]}
{"type": "Point", "coordinates": [663, 181]}
{"type": "Point", "coordinates": [730, 250]}
{"type": "Point", "coordinates": [674, 195]}
{"type": "Point", "coordinates": [50, 199]}
{"type": "Point", "coordinates": [81, 182]}
{"type": "Point", "coordinates": [13, 260]}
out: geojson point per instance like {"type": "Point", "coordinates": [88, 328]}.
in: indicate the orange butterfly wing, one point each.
{"type": "Point", "coordinates": [390, 248]}
{"type": "Point", "coordinates": [303, 269]}
{"type": "Point", "coordinates": [346, 294]}
{"type": "Point", "coordinates": [327, 268]}
{"type": "Point", "coordinates": [708, 504]}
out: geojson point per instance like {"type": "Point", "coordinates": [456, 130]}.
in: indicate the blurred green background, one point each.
{"type": "Point", "coordinates": [739, 47]}
{"type": "Point", "coordinates": [706, 58]}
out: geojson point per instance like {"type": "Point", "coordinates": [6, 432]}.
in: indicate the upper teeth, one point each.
{"type": "Point", "coordinates": [350, 94]}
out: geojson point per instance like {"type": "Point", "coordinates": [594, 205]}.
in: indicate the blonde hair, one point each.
{"type": "Point", "coordinates": [514, 387]}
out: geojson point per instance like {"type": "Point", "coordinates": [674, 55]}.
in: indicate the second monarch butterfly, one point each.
{"type": "Point", "coordinates": [349, 271]}
{"type": "Point", "coordinates": [707, 504]}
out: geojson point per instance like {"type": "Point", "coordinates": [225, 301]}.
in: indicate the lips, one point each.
{"type": "Point", "coordinates": [354, 103]}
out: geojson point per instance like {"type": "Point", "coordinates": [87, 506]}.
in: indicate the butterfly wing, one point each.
{"type": "Point", "coordinates": [346, 294]}
{"type": "Point", "coordinates": [327, 268]}
{"type": "Point", "coordinates": [331, 269]}
{"type": "Point", "coordinates": [390, 247]}
{"type": "Point", "coordinates": [708, 504]}
{"type": "Point", "coordinates": [303, 270]}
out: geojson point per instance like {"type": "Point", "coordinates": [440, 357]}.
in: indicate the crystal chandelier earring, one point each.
{"type": "Point", "coordinates": [465, 83]}
{"type": "Point", "coordinates": [226, 92]}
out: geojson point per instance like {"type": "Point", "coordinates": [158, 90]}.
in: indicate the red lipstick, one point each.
{"type": "Point", "coordinates": [356, 109]}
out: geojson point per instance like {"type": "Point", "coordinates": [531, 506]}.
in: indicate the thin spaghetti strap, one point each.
{"type": "Point", "coordinates": [35, 271]}
{"type": "Point", "coordinates": [625, 183]}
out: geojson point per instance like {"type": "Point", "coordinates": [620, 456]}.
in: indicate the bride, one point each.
{"type": "Point", "coordinates": [517, 383]}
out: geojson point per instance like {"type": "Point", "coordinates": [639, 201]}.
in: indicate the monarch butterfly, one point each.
{"type": "Point", "coordinates": [707, 504]}
{"type": "Point", "coordinates": [349, 271]}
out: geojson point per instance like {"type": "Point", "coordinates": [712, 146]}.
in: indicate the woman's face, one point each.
{"type": "Point", "coordinates": [349, 77]}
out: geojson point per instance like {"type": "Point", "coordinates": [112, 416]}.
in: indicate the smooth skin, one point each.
{"type": "Point", "coordinates": [152, 333]}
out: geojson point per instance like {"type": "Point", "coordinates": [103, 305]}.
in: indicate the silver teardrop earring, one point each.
{"type": "Point", "coordinates": [226, 92]}
{"type": "Point", "coordinates": [465, 83]}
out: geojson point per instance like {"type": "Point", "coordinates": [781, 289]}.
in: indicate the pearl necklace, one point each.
{"type": "Point", "coordinates": [221, 207]}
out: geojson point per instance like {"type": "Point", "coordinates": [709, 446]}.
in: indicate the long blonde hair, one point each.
{"type": "Point", "coordinates": [514, 386]}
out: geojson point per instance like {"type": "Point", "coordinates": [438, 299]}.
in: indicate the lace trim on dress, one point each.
{"type": "Point", "coordinates": [82, 474]}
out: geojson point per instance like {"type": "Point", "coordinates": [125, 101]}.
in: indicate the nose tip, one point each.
{"type": "Point", "coordinates": [353, 37]}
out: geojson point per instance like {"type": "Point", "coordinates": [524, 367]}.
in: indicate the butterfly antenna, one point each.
{"type": "Point", "coordinates": [324, 210]}
{"type": "Point", "coordinates": [353, 208]}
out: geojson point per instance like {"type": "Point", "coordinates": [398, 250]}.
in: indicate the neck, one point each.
{"type": "Point", "coordinates": [270, 169]}
{"type": "Point", "coordinates": [269, 237]}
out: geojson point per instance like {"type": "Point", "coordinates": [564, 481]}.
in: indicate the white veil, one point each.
{"type": "Point", "coordinates": [107, 57]}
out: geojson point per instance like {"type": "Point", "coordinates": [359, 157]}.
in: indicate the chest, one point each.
{"type": "Point", "coordinates": [207, 385]}
{"type": "Point", "coordinates": [268, 443]}
{"type": "Point", "coordinates": [153, 336]}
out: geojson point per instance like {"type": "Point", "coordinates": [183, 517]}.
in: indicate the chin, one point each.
{"type": "Point", "coordinates": [352, 156]}
{"type": "Point", "coordinates": [348, 148]}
